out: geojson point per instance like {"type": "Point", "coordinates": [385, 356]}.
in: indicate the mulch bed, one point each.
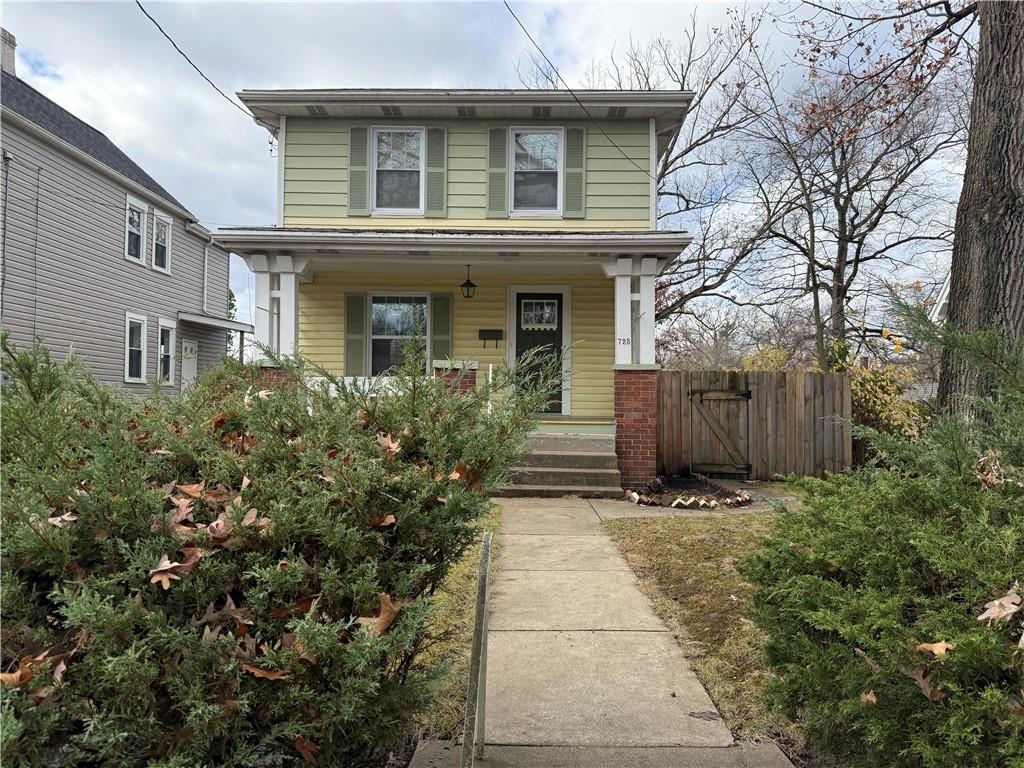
{"type": "Point", "coordinates": [687, 493]}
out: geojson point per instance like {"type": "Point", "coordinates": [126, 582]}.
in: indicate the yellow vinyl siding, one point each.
{"type": "Point", "coordinates": [316, 178]}
{"type": "Point", "coordinates": [322, 323]}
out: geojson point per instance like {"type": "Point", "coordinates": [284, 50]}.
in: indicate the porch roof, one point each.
{"type": "Point", "coordinates": [247, 241]}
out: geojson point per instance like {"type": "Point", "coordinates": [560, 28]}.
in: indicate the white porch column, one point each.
{"type": "Point", "coordinates": [623, 311]}
{"type": "Point", "coordinates": [648, 273]}
{"type": "Point", "coordinates": [289, 319]}
{"type": "Point", "coordinates": [261, 322]}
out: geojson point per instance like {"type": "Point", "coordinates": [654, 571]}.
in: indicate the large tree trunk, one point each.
{"type": "Point", "coordinates": [987, 274]}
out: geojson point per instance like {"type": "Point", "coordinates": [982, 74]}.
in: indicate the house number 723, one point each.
{"type": "Point", "coordinates": [624, 341]}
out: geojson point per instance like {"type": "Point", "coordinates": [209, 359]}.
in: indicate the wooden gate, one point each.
{"type": "Point", "coordinates": [753, 425]}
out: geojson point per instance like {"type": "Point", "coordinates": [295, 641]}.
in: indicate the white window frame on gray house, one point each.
{"type": "Point", "coordinates": [129, 319]}
{"type": "Point", "coordinates": [161, 218]}
{"type": "Point", "coordinates": [556, 211]}
{"type": "Point", "coordinates": [166, 351]}
{"type": "Point", "coordinates": [372, 336]}
{"type": "Point", "coordinates": [375, 133]}
{"type": "Point", "coordinates": [137, 204]}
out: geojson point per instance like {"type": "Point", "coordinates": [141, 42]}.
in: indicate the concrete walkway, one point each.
{"type": "Point", "coordinates": [581, 671]}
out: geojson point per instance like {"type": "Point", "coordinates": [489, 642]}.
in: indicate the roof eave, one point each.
{"type": "Point", "coordinates": [260, 241]}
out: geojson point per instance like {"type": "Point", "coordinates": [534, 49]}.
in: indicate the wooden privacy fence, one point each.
{"type": "Point", "coordinates": [753, 425]}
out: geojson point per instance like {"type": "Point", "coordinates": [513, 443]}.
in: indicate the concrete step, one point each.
{"type": "Point", "coordinates": [565, 476]}
{"type": "Point", "coordinates": [590, 443]}
{"type": "Point", "coordinates": [558, 491]}
{"type": "Point", "coordinates": [444, 754]}
{"type": "Point", "coordinates": [571, 459]}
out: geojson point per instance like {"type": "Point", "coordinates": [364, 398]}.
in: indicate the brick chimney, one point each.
{"type": "Point", "coordinates": [8, 46]}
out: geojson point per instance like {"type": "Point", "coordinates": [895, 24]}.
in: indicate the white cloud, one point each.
{"type": "Point", "coordinates": [110, 66]}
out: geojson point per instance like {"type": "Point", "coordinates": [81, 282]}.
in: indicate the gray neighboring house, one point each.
{"type": "Point", "coordinates": [99, 258]}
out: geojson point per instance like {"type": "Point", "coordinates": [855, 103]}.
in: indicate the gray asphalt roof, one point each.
{"type": "Point", "coordinates": [22, 98]}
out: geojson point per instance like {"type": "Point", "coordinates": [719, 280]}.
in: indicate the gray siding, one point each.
{"type": "Point", "coordinates": [66, 279]}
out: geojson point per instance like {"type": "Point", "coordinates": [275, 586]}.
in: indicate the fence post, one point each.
{"type": "Point", "coordinates": [473, 728]}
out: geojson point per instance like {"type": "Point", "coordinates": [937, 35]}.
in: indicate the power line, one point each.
{"type": "Point", "coordinates": [184, 55]}
{"type": "Point", "coordinates": [586, 111]}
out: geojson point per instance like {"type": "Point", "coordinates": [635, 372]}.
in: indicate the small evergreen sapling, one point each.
{"type": "Point", "coordinates": [240, 576]}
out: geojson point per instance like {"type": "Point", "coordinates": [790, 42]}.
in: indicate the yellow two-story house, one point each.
{"type": "Point", "coordinates": [499, 220]}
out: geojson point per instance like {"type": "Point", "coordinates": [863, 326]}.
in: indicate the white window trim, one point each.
{"type": "Point", "coordinates": [373, 170]}
{"type": "Point", "coordinates": [163, 323]}
{"type": "Point", "coordinates": [533, 213]}
{"type": "Point", "coordinates": [370, 295]}
{"type": "Point", "coordinates": [130, 317]}
{"type": "Point", "coordinates": [135, 202]}
{"type": "Point", "coordinates": [169, 220]}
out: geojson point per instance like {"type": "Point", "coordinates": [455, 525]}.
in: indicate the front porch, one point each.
{"type": "Point", "coordinates": [348, 305]}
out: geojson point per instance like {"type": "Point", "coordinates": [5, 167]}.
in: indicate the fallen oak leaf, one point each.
{"type": "Point", "coordinates": [192, 557]}
{"type": "Point", "coordinates": [383, 522]}
{"type": "Point", "coordinates": [874, 665]}
{"type": "Point", "coordinates": [27, 668]}
{"type": "Point", "coordinates": [868, 697]}
{"type": "Point", "coordinates": [195, 490]}
{"type": "Point", "coordinates": [938, 650]}
{"type": "Point", "coordinates": [60, 521]}
{"type": "Point", "coordinates": [382, 622]}
{"type": "Point", "coordinates": [165, 572]}
{"type": "Point", "coordinates": [266, 674]}
{"type": "Point", "coordinates": [307, 749]}
{"type": "Point", "coordinates": [389, 444]}
{"type": "Point", "coordinates": [923, 678]}
{"type": "Point", "coordinates": [219, 420]}
{"type": "Point", "coordinates": [1002, 608]}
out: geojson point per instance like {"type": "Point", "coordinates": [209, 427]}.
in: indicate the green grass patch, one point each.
{"type": "Point", "coordinates": [686, 567]}
{"type": "Point", "coordinates": [451, 631]}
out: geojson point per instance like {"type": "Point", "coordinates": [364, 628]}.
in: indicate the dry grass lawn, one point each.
{"type": "Point", "coordinates": [451, 627]}
{"type": "Point", "coordinates": [686, 566]}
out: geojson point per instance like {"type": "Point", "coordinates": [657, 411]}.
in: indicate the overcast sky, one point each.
{"type": "Point", "coordinates": [108, 64]}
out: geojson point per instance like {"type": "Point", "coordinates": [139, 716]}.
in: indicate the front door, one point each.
{"type": "Point", "coordinates": [539, 324]}
{"type": "Point", "coordinates": [189, 362]}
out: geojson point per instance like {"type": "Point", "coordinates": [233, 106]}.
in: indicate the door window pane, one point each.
{"type": "Point", "coordinates": [398, 155]}
{"type": "Point", "coordinates": [535, 171]}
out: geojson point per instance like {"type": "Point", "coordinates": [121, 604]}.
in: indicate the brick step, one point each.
{"type": "Point", "coordinates": [571, 459]}
{"type": "Point", "coordinates": [565, 477]}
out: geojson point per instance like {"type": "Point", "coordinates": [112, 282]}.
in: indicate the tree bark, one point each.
{"type": "Point", "coordinates": [987, 272]}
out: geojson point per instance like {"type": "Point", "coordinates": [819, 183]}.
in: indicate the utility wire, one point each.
{"type": "Point", "coordinates": [558, 74]}
{"type": "Point", "coordinates": [184, 55]}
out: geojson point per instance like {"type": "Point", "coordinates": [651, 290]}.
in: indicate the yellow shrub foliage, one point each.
{"type": "Point", "coordinates": [879, 403]}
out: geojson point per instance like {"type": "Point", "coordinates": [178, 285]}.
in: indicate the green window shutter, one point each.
{"type": "Point", "coordinates": [436, 183]}
{"type": "Point", "coordinates": [574, 179]}
{"type": "Point", "coordinates": [355, 334]}
{"type": "Point", "coordinates": [359, 171]}
{"type": "Point", "coordinates": [497, 173]}
{"type": "Point", "coordinates": [441, 323]}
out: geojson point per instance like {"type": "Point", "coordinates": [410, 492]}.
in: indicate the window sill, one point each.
{"type": "Point", "coordinates": [162, 271]}
{"type": "Point", "coordinates": [535, 214]}
{"type": "Point", "coordinates": [140, 262]}
{"type": "Point", "coordinates": [134, 381]}
{"type": "Point", "coordinates": [392, 212]}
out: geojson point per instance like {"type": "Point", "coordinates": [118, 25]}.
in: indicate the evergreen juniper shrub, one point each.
{"type": "Point", "coordinates": [239, 576]}
{"type": "Point", "coordinates": [891, 597]}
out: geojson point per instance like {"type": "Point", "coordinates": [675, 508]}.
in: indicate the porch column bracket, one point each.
{"type": "Point", "coordinates": [635, 279]}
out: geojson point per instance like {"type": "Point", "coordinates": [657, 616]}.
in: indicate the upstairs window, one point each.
{"type": "Point", "coordinates": [134, 229]}
{"type": "Point", "coordinates": [393, 321]}
{"type": "Point", "coordinates": [135, 348]}
{"type": "Point", "coordinates": [398, 170]}
{"type": "Point", "coordinates": [536, 169]}
{"type": "Point", "coordinates": [165, 352]}
{"type": "Point", "coordinates": [162, 225]}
